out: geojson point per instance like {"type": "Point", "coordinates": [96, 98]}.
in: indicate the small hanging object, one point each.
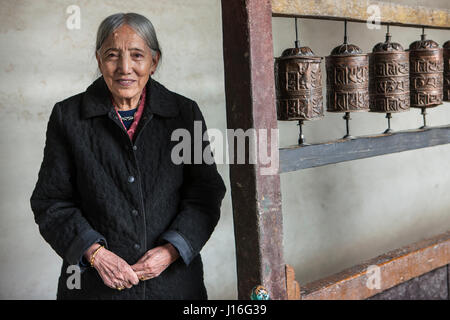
{"type": "Point", "coordinates": [298, 83]}
{"type": "Point", "coordinates": [426, 74]}
{"type": "Point", "coordinates": [259, 293]}
{"type": "Point", "coordinates": [389, 79]}
{"type": "Point", "coordinates": [347, 80]}
{"type": "Point", "coordinates": [446, 47]}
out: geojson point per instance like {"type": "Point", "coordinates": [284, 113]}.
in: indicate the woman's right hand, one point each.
{"type": "Point", "coordinates": [115, 272]}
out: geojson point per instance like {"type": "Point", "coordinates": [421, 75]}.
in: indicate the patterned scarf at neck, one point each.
{"type": "Point", "coordinates": [129, 118]}
{"type": "Point", "coordinates": [136, 117]}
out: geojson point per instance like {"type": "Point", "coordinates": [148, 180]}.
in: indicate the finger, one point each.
{"type": "Point", "coordinates": [138, 267]}
{"type": "Point", "coordinates": [118, 286]}
{"type": "Point", "coordinates": [131, 276]}
{"type": "Point", "coordinates": [143, 274]}
{"type": "Point", "coordinates": [110, 284]}
{"type": "Point", "coordinates": [124, 280]}
{"type": "Point", "coordinates": [146, 277]}
{"type": "Point", "coordinates": [138, 272]}
{"type": "Point", "coordinates": [108, 281]}
{"type": "Point", "coordinates": [134, 278]}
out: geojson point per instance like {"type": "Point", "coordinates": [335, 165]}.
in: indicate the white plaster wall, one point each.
{"type": "Point", "coordinates": [334, 216]}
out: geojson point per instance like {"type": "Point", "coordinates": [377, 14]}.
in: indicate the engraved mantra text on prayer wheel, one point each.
{"type": "Point", "coordinates": [446, 47]}
{"type": "Point", "coordinates": [426, 65]}
{"type": "Point", "coordinates": [389, 78]}
{"type": "Point", "coordinates": [298, 82]}
{"type": "Point", "coordinates": [347, 79]}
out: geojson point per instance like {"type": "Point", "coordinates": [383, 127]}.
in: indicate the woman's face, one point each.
{"type": "Point", "coordinates": [126, 63]}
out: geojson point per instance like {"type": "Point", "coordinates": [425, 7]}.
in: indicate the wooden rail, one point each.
{"type": "Point", "coordinates": [394, 268]}
{"type": "Point", "coordinates": [315, 155]}
{"type": "Point", "coordinates": [357, 10]}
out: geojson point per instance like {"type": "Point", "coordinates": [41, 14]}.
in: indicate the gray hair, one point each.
{"type": "Point", "coordinates": [143, 27]}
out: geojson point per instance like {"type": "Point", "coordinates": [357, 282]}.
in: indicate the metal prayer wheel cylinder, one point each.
{"type": "Point", "coordinates": [389, 78]}
{"type": "Point", "coordinates": [298, 83]}
{"type": "Point", "coordinates": [446, 47]}
{"type": "Point", "coordinates": [347, 79]}
{"type": "Point", "coordinates": [426, 65]}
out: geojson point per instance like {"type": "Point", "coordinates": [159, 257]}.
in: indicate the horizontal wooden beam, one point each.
{"type": "Point", "coordinates": [433, 285]}
{"type": "Point", "coordinates": [315, 155]}
{"type": "Point", "coordinates": [393, 268]}
{"type": "Point", "coordinates": [357, 10]}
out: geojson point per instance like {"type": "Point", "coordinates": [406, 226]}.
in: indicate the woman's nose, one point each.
{"type": "Point", "coordinates": [125, 64]}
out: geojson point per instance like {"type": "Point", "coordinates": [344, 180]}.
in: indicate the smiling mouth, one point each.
{"type": "Point", "coordinates": [125, 83]}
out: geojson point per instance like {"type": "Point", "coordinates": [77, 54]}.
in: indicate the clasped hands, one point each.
{"type": "Point", "coordinates": [116, 273]}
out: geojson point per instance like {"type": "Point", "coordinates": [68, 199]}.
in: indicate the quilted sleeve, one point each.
{"type": "Point", "coordinates": [54, 198]}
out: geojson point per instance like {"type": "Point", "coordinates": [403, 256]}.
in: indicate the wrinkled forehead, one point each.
{"type": "Point", "coordinates": [123, 38]}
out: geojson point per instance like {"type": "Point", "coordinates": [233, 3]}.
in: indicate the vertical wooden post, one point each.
{"type": "Point", "coordinates": [250, 100]}
{"type": "Point", "coordinates": [292, 286]}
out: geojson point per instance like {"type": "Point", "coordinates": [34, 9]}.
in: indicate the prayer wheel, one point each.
{"type": "Point", "coordinates": [446, 47]}
{"type": "Point", "coordinates": [347, 79]}
{"type": "Point", "coordinates": [426, 73]}
{"type": "Point", "coordinates": [298, 82]}
{"type": "Point", "coordinates": [389, 77]}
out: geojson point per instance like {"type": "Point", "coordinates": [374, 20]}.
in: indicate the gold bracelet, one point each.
{"type": "Point", "coordinates": [93, 255]}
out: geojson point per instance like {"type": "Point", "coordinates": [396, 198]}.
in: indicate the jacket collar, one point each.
{"type": "Point", "coordinates": [159, 100]}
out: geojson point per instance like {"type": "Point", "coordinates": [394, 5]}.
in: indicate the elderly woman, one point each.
{"type": "Point", "coordinates": [109, 198]}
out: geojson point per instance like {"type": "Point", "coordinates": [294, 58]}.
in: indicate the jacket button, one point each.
{"type": "Point", "coordinates": [134, 212]}
{"type": "Point", "coordinates": [136, 246]}
{"type": "Point", "coordinates": [134, 148]}
{"type": "Point", "coordinates": [130, 179]}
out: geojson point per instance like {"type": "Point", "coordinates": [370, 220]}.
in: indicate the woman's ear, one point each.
{"type": "Point", "coordinates": [99, 62]}
{"type": "Point", "coordinates": [155, 61]}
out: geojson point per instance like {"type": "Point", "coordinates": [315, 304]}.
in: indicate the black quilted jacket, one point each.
{"type": "Point", "coordinates": [95, 184]}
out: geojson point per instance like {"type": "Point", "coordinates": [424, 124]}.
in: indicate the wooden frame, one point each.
{"type": "Point", "coordinates": [256, 198]}
{"type": "Point", "coordinates": [356, 10]}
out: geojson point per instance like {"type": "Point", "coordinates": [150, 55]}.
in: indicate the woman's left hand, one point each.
{"type": "Point", "coordinates": [155, 261]}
